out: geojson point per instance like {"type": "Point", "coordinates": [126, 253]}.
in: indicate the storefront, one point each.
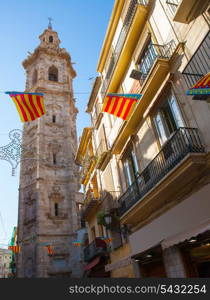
{"type": "Point", "coordinates": [177, 243]}
{"type": "Point", "coordinates": [151, 263]}
{"type": "Point", "coordinates": [196, 253]}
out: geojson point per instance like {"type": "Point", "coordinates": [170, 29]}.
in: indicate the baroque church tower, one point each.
{"type": "Point", "coordinates": [48, 175]}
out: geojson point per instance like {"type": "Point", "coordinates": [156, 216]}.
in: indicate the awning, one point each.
{"type": "Point", "coordinates": [174, 222]}
{"type": "Point", "coordinates": [201, 89]}
{"type": "Point", "coordinates": [195, 231]}
{"type": "Point", "coordinates": [92, 264]}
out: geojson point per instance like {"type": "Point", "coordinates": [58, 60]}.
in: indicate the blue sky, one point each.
{"type": "Point", "coordinates": [81, 26]}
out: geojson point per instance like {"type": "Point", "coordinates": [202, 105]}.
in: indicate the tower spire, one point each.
{"type": "Point", "coordinates": [50, 23]}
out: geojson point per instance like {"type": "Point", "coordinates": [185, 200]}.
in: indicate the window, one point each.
{"type": "Point", "coordinates": [147, 58]}
{"type": "Point", "coordinates": [54, 119]}
{"type": "Point", "coordinates": [116, 237]}
{"type": "Point", "coordinates": [130, 166]}
{"type": "Point", "coordinates": [54, 159]}
{"type": "Point", "coordinates": [100, 230]}
{"type": "Point", "coordinates": [51, 39]}
{"type": "Point", "coordinates": [93, 233]}
{"type": "Point", "coordinates": [168, 118]}
{"type": "Point", "coordinates": [172, 6]}
{"type": "Point", "coordinates": [53, 74]}
{"type": "Point", "coordinates": [56, 209]}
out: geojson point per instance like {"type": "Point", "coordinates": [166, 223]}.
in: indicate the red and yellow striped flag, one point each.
{"type": "Point", "coordinates": [15, 249]}
{"type": "Point", "coordinates": [120, 105]}
{"type": "Point", "coordinates": [30, 106]}
{"type": "Point", "coordinates": [204, 82]}
{"type": "Point", "coordinates": [50, 250]}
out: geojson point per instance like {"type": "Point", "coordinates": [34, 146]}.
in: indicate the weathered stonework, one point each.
{"type": "Point", "coordinates": [49, 176]}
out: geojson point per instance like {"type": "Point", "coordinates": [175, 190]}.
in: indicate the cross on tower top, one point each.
{"type": "Point", "coordinates": [50, 23]}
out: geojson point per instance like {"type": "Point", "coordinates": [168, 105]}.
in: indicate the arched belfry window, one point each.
{"type": "Point", "coordinates": [51, 39]}
{"type": "Point", "coordinates": [53, 73]}
{"type": "Point", "coordinates": [34, 77]}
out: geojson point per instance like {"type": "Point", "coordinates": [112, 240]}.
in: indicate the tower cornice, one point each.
{"type": "Point", "coordinates": [41, 89]}
{"type": "Point", "coordinates": [62, 53]}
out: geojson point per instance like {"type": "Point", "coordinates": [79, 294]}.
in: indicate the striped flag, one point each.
{"type": "Point", "coordinates": [15, 249]}
{"type": "Point", "coordinates": [30, 106]}
{"type": "Point", "coordinates": [204, 82]}
{"type": "Point", "coordinates": [50, 250]}
{"type": "Point", "coordinates": [120, 105]}
{"type": "Point", "coordinates": [201, 87]}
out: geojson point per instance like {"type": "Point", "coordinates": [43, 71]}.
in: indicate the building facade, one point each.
{"type": "Point", "coordinates": [147, 180]}
{"type": "Point", "coordinates": [48, 193]}
{"type": "Point", "coordinates": [5, 261]}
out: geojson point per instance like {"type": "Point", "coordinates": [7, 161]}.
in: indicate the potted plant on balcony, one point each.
{"type": "Point", "coordinates": [100, 218]}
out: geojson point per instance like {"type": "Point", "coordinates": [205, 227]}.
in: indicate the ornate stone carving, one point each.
{"type": "Point", "coordinates": [55, 194]}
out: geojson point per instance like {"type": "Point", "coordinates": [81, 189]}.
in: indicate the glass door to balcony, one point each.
{"type": "Point", "coordinates": [168, 118]}
{"type": "Point", "coordinates": [147, 58]}
{"type": "Point", "coordinates": [130, 165]}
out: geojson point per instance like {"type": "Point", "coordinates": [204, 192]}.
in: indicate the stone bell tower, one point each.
{"type": "Point", "coordinates": [48, 176]}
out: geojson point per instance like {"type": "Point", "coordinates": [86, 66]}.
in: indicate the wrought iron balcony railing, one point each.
{"type": "Point", "coordinates": [89, 197]}
{"type": "Point", "coordinates": [172, 5]}
{"type": "Point", "coordinates": [98, 109]}
{"type": "Point", "coordinates": [121, 40]}
{"type": "Point", "coordinates": [109, 200]}
{"type": "Point", "coordinates": [102, 153]}
{"type": "Point", "coordinates": [97, 247]}
{"type": "Point", "coordinates": [182, 142]}
{"type": "Point", "coordinates": [152, 53]}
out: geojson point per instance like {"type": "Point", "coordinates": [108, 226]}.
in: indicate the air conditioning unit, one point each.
{"type": "Point", "coordinates": [135, 74]}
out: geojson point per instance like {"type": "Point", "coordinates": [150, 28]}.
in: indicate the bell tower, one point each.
{"type": "Point", "coordinates": [48, 175]}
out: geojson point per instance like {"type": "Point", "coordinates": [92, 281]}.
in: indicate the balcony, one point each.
{"type": "Point", "coordinates": [97, 115]}
{"type": "Point", "coordinates": [103, 155]}
{"type": "Point", "coordinates": [109, 201]}
{"type": "Point", "coordinates": [173, 171]}
{"type": "Point", "coordinates": [97, 247]}
{"type": "Point", "coordinates": [90, 203]}
{"type": "Point", "coordinates": [189, 10]}
{"type": "Point", "coordinates": [153, 69]}
{"type": "Point", "coordinates": [153, 53]}
{"type": "Point", "coordinates": [126, 43]}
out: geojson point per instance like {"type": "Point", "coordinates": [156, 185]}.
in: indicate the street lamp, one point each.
{"type": "Point", "coordinates": [124, 230]}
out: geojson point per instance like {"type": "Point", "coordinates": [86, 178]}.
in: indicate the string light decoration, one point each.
{"type": "Point", "coordinates": [12, 151]}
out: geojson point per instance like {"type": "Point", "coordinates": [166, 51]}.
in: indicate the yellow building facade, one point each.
{"type": "Point", "coordinates": [147, 179]}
